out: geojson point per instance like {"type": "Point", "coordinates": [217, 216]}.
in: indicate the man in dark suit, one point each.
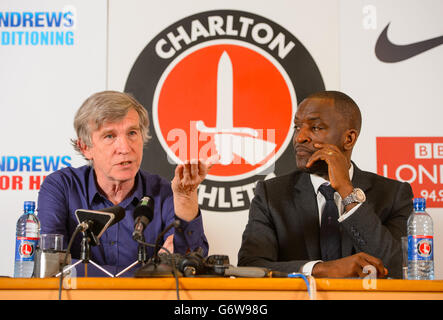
{"type": "Point", "coordinates": [297, 225]}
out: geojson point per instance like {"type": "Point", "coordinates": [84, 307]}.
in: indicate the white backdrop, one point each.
{"type": "Point", "coordinates": [401, 99]}
{"type": "Point", "coordinates": [41, 86]}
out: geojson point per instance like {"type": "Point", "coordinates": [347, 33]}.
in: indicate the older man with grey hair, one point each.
{"type": "Point", "coordinates": [112, 128]}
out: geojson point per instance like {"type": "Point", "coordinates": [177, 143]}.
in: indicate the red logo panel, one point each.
{"type": "Point", "coordinates": [417, 160]}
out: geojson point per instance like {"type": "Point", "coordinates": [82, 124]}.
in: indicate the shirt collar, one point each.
{"type": "Point", "coordinates": [93, 191]}
{"type": "Point", "coordinates": [317, 181]}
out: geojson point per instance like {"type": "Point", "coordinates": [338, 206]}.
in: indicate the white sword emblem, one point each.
{"type": "Point", "coordinates": [227, 139]}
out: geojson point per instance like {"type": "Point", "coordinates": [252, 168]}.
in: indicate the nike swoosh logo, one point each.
{"type": "Point", "coordinates": [387, 51]}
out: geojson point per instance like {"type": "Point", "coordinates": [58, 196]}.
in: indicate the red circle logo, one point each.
{"type": "Point", "coordinates": [424, 248]}
{"type": "Point", "coordinates": [26, 250]}
{"type": "Point", "coordinates": [237, 104]}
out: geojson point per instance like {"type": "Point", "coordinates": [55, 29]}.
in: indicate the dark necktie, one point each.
{"type": "Point", "coordinates": [330, 238]}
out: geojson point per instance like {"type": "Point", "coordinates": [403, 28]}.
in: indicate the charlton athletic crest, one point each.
{"type": "Point", "coordinates": [223, 83]}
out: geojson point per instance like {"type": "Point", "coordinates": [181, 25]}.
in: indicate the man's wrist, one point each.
{"type": "Point", "coordinates": [186, 206]}
{"type": "Point", "coordinates": [318, 270]}
{"type": "Point", "coordinates": [345, 191]}
{"type": "Point", "coordinates": [356, 196]}
{"type": "Point", "coordinates": [306, 269]}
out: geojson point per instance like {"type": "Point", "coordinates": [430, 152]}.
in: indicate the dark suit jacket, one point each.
{"type": "Point", "coordinates": [283, 228]}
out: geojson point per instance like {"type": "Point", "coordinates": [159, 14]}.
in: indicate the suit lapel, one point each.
{"type": "Point", "coordinates": [360, 179]}
{"type": "Point", "coordinates": [306, 210]}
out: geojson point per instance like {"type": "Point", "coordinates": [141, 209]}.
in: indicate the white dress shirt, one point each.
{"type": "Point", "coordinates": [317, 181]}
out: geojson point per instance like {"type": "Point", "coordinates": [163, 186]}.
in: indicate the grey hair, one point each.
{"type": "Point", "coordinates": [106, 106]}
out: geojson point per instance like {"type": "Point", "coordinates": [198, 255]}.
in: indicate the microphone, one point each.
{"type": "Point", "coordinates": [119, 213]}
{"type": "Point", "coordinates": [143, 215]}
{"type": "Point", "coordinates": [95, 222]}
{"type": "Point", "coordinates": [154, 267]}
{"type": "Point", "coordinates": [248, 272]}
{"type": "Point", "coordinates": [88, 218]}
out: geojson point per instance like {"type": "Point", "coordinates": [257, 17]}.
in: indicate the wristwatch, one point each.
{"type": "Point", "coordinates": [357, 195]}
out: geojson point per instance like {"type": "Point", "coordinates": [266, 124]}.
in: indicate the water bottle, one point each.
{"type": "Point", "coordinates": [27, 238]}
{"type": "Point", "coordinates": [420, 243]}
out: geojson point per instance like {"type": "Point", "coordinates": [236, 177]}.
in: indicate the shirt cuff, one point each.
{"type": "Point", "coordinates": [189, 234]}
{"type": "Point", "coordinates": [347, 214]}
{"type": "Point", "coordinates": [306, 269]}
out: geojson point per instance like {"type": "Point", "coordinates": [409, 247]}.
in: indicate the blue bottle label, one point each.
{"type": "Point", "coordinates": [421, 248]}
{"type": "Point", "coordinates": [25, 248]}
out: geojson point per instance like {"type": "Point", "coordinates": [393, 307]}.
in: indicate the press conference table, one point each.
{"type": "Point", "coordinates": [219, 289]}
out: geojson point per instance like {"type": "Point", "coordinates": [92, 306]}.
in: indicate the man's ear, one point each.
{"type": "Point", "coordinates": [84, 149]}
{"type": "Point", "coordinates": [350, 138]}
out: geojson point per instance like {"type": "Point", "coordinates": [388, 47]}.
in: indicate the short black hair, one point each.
{"type": "Point", "coordinates": [344, 105]}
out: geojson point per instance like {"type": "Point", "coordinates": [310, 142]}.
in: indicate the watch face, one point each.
{"type": "Point", "coordinates": [359, 195]}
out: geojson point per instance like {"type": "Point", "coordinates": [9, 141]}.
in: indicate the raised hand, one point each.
{"type": "Point", "coordinates": [188, 177]}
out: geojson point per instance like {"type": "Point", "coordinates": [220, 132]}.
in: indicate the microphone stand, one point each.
{"type": "Point", "coordinates": [141, 257]}
{"type": "Point", "coordinates": [154, 267]}
{"type": "Point", "coordinates": [88, 236]}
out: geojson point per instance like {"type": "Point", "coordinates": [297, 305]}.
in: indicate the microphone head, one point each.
{"type": "Point", "coordinates": [119, 213]}
{"type": "Point", "coordinates": [102, 219]}
{"type": "Point", "coordinates": [145, 208]}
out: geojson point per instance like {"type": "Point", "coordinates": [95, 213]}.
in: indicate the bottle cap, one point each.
{"type": "Point", "coordinates": [419, 204]}
{"type": "Point", "coordinates": [29, 206]}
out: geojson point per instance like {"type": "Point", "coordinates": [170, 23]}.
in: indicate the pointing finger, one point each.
{"type": "Point", "coordinates": [193, 168]}
{"type": "Point", "coordinates": [186, 172]}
